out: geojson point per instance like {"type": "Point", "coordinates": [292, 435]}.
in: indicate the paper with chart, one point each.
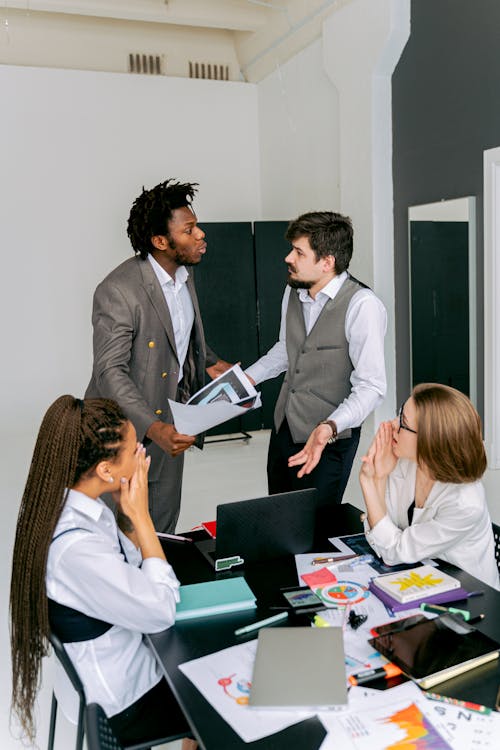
{"type": "Point", "coordinates": [403, 717]}
{"type": "Point", "coordinates": [224, 679]}
{"type": "Point", "coordinates": [230, 395]}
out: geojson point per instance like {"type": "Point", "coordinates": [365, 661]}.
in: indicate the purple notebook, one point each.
{"type": "Point", "coordinates": [448, 596]}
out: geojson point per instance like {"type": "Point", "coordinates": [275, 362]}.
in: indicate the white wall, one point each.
{"type": "Point", "coordinates": [299, 138]}
{"type": "Point", "coordinates": [76, 149]}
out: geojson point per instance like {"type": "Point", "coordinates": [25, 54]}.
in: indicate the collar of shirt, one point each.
{"type": "Point", "coordinates": [85, 504]}
{"type": "Point", "coordinates": [164, 278]}
{"type": "Point", "coordinates": [329, 291]}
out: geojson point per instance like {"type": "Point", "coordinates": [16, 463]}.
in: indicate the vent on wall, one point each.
{"type": "Point", "coordinates": [153, 65]}
{"type": "Point", "coordinates": [208, 70]}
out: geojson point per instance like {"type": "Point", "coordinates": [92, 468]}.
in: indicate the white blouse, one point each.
{"type": "Point", "coordinates": [86, 571]}
{"type": "Point", "coordinates": [454, 525]}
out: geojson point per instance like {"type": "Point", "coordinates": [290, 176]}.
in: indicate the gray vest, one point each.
{"type": "Point", "coordinates": [319, 366]}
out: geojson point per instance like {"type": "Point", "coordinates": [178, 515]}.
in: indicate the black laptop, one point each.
{"type": "Point", "coordinates": [262, 529]}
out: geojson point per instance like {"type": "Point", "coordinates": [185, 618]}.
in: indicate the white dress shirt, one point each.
{"type": "Point", "coordinates": [454, 525]}
{"type": "Point", "coordinates": [365, 326]}
{"type": "Point", "coordinates": [86, 571]}
{"type": "Point", "coordinates": [180, 306]}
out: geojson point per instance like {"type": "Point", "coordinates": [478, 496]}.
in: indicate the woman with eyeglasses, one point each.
{"type": "Point", "coordinates": [421, 485]}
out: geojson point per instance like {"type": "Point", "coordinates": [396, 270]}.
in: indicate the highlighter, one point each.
{"type": "Point", "coordinates": [368, 675]}
{"type": "Point", "coordinates": [437, 610]}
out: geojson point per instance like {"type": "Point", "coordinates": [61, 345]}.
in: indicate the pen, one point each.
{"type": "Point", "coordinates": [474, 620]}
{"type": "Point", "coordinates": [326, 560]}
{"type": "Point", "coordinates": [174, 537]}
{"type": "Point", "coordinates": [438, 610]}
{"type": "Point", "coordinates": [455, 702]}
{"type": "Point", "coordinates": [368, 675]}
{"type": "Point", "coordinates": [261, 623]}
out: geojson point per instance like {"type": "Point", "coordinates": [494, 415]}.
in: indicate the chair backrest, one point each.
{"type": "Point", "coordinates": [67, 664]}
{"type": "Point", "coordinates": [496, 537]}
{"type": "Point", "coordinates": [99, 734]}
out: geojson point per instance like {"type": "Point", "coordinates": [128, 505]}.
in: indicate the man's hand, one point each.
{"type": "Point", "coordinates": [169, 440]}
{"type": "Point", "coordinates": [219, 368]}
{"type": "Point", "coordinates": [312, 450]}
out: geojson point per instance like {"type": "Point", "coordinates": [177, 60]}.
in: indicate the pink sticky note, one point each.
{"type": "Point", "coordinates": [319, 577]}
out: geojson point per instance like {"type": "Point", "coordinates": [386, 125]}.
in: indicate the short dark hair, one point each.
{"type": "Point", "coordinates": [152, 210]}
{"type": "Point", "coordinates": [328, 233]}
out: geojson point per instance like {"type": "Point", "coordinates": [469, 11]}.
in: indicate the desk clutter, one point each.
{"type": "Point", "coordinates": [256, 685]}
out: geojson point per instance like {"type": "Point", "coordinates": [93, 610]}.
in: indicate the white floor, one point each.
{"type": "Point", "coordinates": [223, 471]}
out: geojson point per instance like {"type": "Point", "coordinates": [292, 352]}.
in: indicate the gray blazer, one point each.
{"type": "Point", "coordinates": [135, 357]}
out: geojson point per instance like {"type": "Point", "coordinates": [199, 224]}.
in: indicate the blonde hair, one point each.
{"type": "Point", "coordinates": [449, 438]}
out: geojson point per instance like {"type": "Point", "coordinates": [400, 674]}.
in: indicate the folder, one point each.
{"type": "Point", "coordinates": [214, 598]}
{"type": "Point", "coordinates": [448, 596]}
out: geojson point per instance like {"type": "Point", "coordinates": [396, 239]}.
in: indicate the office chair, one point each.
{"type": "Point", "coordinates": [496, 538]}
{"type": "Point", "coordinates": [100, 736]}
{"type": "Point", "coordinates": [67, 664]}
{"type": "Point", "coordinates": [99, 733]}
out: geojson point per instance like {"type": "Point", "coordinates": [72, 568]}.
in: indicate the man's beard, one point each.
{"type": "Point", "coordinates": [179, 258]}
{"type": "Point", "coordinates": [298, 284]}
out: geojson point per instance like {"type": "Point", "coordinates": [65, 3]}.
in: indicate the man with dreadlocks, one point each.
{"type": "Point", "coordinates": [149, 344]}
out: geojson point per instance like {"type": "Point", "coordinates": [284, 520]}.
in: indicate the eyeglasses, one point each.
{"type": "Point", "coordinates": [401, 425]}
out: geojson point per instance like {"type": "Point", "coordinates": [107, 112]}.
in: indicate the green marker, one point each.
{"type": "Point", "coordinates": [437, 610]}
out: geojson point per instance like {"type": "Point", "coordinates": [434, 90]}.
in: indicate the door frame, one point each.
{"type": "Point", "coordinates": [441, 211]}
{"type": "Point", "coordinates": [492, 306]}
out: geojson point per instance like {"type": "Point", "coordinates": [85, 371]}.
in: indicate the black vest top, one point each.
{"type": "Point", "coordinates": [70, 625]}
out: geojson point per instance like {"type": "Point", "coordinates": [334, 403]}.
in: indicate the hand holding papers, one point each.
{"type": "Point", "coordinates": [228, 396]}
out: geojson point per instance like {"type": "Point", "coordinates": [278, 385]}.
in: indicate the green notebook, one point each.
{"type": "Point", "coordinates": [214, 598]}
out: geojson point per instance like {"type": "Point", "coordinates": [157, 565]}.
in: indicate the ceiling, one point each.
{"type": "Point", "coordinates": [266, 32]}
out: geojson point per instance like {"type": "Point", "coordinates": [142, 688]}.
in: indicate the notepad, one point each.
{"type": "Point", "coordinates": [416, 583]}
{"type": "Point", "coordinates": [299, 668]}
{"type": "Point", "coordinates": [433, 651]}
{"type": "Point", "coordinates": [214, 598]}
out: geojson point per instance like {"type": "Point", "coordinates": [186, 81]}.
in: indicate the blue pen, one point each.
{"type": "Point", "coordinates": [361, 560]}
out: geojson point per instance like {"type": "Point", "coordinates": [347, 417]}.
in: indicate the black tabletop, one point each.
{"type": "Point", "coordinates": [191, 639]}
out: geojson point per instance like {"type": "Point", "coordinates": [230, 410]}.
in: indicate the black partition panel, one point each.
{"type": "Point", "coordinates": [225, 283]}
{"type": "Point", "coordinates": [271, 248]}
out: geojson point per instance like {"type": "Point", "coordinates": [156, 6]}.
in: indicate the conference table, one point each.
{"type": "Point", "coordinates": [191, 639]}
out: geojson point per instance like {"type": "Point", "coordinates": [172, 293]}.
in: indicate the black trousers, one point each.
{"type": "Point", "coordinates": [156, 714]}
{"type": "Point", "coordinates": [330, 475]}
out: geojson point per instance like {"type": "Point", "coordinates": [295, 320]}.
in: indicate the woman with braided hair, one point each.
{"type": "Point", "coordinates": [96, 586]}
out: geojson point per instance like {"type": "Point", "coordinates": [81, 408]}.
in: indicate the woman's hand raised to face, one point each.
{"type": "Point", "coordinates": [380, 459]}
{"type": "Point", "coordinates": [134, 493]}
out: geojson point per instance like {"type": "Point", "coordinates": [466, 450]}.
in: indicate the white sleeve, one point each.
{"type": "Point", "coordinates": [95, 579]}
{"type": "Point", "coordinates": [365, 327]}
{"type": "Point", "coordinates": [452, 521]}
{"type": "Point", "coordinates": [275, 361]}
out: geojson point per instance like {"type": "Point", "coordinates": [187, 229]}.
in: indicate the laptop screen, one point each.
{"type": "Point", "coordinates": [267, 527]}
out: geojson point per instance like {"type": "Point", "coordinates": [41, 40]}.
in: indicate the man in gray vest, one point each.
{"type": "Point", "coordinates": [331, 345]}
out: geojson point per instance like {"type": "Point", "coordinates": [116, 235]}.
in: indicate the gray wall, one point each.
{"type": "Point", "coordinates": [446, 112]}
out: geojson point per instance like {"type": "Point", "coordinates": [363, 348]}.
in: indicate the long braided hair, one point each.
{"type": "Point", "coordinates": [74, 437]}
